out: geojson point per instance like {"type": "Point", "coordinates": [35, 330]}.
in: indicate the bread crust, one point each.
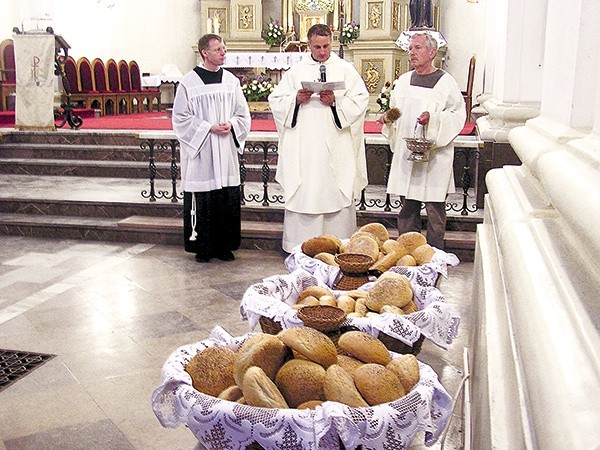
{"type": "Point", "coordinates": [310, 343]}
{"type": "Point", "coordinates": [259, 390]}
{"type": "Point", "coordinates": [263, 350]}
{"type": "Point", "coordinates": [212, 370]}
{"type": "Point", "coordinates": [364, 347]}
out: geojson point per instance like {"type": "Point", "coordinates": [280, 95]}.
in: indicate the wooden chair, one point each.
{"type": "Point", "coordinates": [86, 85]}
{"type": "Point", "coordinates": [114, 85]}
{"type": "Point", "coordinates": [109, 99]}
{"type": "Point", "coordinates": [150, 95]}
{"type": "Point", "coordinates": [468, 94]}
{"type": "Point", "coordinates": [72, 86]}
{"type": "Point", "coordinates": [8, 74]}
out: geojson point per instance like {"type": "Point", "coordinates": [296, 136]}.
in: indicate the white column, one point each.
{"type": "Point", "coordinates": [514, 59]}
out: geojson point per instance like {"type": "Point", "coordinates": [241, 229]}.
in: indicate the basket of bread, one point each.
{"type": "Point", "coordinates": [408, 254]}
{"type": "Point", "coordinates": [399, 313]}
{"type": "Point", "coordinates": [264, 391]}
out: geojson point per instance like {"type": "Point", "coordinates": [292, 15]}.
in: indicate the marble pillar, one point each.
{"type": "Point", "coordinates": [536, 352]}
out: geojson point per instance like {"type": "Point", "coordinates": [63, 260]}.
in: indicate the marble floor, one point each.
{"type": "Point", "coordinates": [112, 313]}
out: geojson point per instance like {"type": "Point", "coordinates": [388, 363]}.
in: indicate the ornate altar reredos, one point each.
{"type": "Point", "coordinates": [375, 53]}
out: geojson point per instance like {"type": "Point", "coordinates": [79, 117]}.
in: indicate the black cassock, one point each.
{"type": "Point", "coordinates": [217, 213]}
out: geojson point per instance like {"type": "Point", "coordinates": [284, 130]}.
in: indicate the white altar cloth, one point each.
{"type": "Point", "coordinates": [270, 60]}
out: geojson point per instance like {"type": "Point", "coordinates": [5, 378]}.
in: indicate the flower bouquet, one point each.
{"type": "Point", "coordinates": [274, 33]}
{"type": "Point", "coordinates": [349, 33]}
{"type": "Point", "coordinates": [258, 88]}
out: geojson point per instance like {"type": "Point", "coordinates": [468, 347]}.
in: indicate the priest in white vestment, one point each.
{"type": "Point", "coordinates": [322, 164]}
{"type": "Point", "coordinates": [428, 99]}
{"type": "Point", "coordinates": [211, 120]}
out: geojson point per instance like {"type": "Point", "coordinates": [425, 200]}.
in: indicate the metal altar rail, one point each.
{"type": "Point", "coordinates": [265, 144]}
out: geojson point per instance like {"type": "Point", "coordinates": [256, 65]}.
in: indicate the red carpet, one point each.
{"type": "Point", "coordinates": [160, 121]}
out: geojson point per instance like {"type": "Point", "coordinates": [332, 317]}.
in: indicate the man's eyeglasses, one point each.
{"type": "Point", "coordinates": [217, 50]}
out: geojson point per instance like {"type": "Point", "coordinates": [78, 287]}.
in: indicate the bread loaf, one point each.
{"type": "Point", "coordinates": [263, 350]}
{"type": "Point", "coordinates": [406, 260]}
{"type": "Point", "coordinates": [260, 391]}
{"type": "Point", "coordinates": [423, 254]}
{"type": "Point", "coordinates": [412, 240]}
{"type": "Point", "coordinates": [392, 245]}
{"type": "Point", "coordinates": [212, 370]}
{"type": "Point", "coordinates": [314, 291]}
{"type": "Point", "coordinates": [364, 347]}
{"type": "Point", "coordinates": [377, 229]}
{"type": "Point", "coordinates": [300, 381]}
{"type": "Point", "coordinates": [312, 344]}
{"type": "Point", "coordinates": [349, 363]}
{"type": "Point", "coordinates": [327, 258]}
{"type": "Point", "coordinates": [388, 290]}
{"type": "Point", "coordinates": [232, 393]}
{"type": "Point", "coordinates": [377, 384]}
{"type": "Point", "coordinates": [339, 386]}
{"type": "Point", "coordinates": [311, 404]}
{"type": "Point", "coordinates": [363, 245]}
{"type": "Point", "coordinates": [387, 262]}
{"type": "Point", "coordinates": [319, 244]}
{"type": "Point", "coordinates": [346, 303]}
{"type": "Point", "coordinates": [406, 368]}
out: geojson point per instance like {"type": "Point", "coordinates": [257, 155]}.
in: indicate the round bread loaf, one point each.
{"type": "Point", "coordinates": [232, 393]}
{"type": "Point", "coordinates": [328, 300]}
{"type": "Point", "coordinates": [412, 240]}
{"type": "Point", "coordinates": [377, 384]}
{"type": "Point", "coordinates": [314, 291]}
{"type": "Point", "coordinates": [263, 350]}
{"type": "Point", "coordinates": [346, 303]}
{"type": "Point", "coordinates": [212, 370]}
{"type": "Point", "coordinates": [363, 234]}
{"type": "Point", "coordinates": [423, 254]}
{"type": "Point", "coordinates": [392, 245]}
{"type": "Point", "coordinates": [377, 229]}
{"type": "Point", "coordinates": [364, 347]}
{"type": "Point", "coordinates": [410, 308]}
{"type": "Point", "coordinates": [339, 386]}
{"type": "Point", "coordinates": [312, 344]}
{"type": "Point", "coordinates": [260, 391]}
{"type": "Point", "coordinates": [300, 381]}
{"type": "Point", "coordinates": [334, 238]}
{"type": "Point", "coordinates": [363, 245]}
{"type": "Point", "coordinates": [406, 368]}
{"type": "Point", "coordinates": [349, 363]}
{"type": "Point", "coordinates": [311, 404]}
{"type": "Point", "coordinates": [387, 290]}
{"type": "Point", "coordinates": [406, 260]}
{"type": "Point", "coordinates": [319, 244]}
{"type": "Point", "coordinates": [309, 300]}
{"type": "Point", "coordinates": [391, 309]}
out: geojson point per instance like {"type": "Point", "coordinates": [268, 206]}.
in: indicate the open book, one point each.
{"type": "Point", "coordinates": [318, 86]}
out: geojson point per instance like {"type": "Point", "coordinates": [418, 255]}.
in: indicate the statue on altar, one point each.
{"type": "Point", "coordinates": [421, 16]}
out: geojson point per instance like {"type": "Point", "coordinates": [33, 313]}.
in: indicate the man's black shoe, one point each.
{"type": "Point", "coordinates": [202, 259]}
{"type": "Point", "coordinates": [226, 256]}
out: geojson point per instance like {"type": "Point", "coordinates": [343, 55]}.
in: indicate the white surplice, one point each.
{"type": "Point", "coordinates": [425, 181]}
{"type": "Point", "coordinates": [209, 161]}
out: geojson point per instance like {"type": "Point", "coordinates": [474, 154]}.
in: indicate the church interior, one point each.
{"type": "Point", "coordinates": [97, 293]}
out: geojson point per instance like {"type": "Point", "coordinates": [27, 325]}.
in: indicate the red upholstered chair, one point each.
{"type": "Point", "coordinates": [73, 87]}
{"type": "Point", "coordinates": [468, 94]}
{"type": "Point", "coordinates": [136, 100]}
{"type": "Point", "coordinates": [86, 84]}
{"type": "Point", "coordinates": [149, 94]}
{"type": "Point", "coordinates": [8, 74]}
{"type": "Point", "coordinates": [109, 99]}
{"type": "Point", "coordinates": [114, 85]}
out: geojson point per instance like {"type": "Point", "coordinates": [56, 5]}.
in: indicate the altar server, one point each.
{"type": "Point", "coordinates": [322, 164]}
{"type": "Point", "coordinates": [426, 97]}
{"type": "Point", "coordinates": [211, 121]}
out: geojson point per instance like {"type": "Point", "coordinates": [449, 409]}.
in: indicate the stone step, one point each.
{"type": "Point", "coordinates": [168, 231]}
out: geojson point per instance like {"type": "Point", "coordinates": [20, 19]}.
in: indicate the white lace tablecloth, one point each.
{"type": "Point", "coordinates": [221, 425]}
{"type": "Point", "coordinates": [274, 296]}
{"type": "Point", "coordinates": [425, 275]}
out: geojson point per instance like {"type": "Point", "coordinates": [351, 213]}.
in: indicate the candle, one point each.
{"type": "Point", "coordinates": [216, 21]}
{"type": "Point", "coordinates": [209, 25]}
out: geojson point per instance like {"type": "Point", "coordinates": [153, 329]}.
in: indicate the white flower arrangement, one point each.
{"type": "Point", "coordinates": [274, 34]}
{"type": "Point", "coordinates": [349, 33]}
{"type": "Point", "coordinates": [258, 88]}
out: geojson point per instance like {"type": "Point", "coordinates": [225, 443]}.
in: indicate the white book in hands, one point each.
{"type": "Point", "coordinates": [318, 86]}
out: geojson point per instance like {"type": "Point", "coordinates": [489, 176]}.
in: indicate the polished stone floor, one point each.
{"type": "Point", "coordinates": [112, 313]}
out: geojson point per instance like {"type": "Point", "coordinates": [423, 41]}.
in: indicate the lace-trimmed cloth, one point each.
{"type": "Point", "coordinates": [424, 275]}
{"type": "Point", "coordinates": [274, 296]}
{"type": "Point", "coordinates": [224, 425]}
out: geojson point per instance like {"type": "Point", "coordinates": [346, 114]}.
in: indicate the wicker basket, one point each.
{"type": "Point", "coordinates": [322, 317]}
{"type": "Point", "coordinates": [355, 270]}
{"type": "Point", "coordinates": [269, 326]}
